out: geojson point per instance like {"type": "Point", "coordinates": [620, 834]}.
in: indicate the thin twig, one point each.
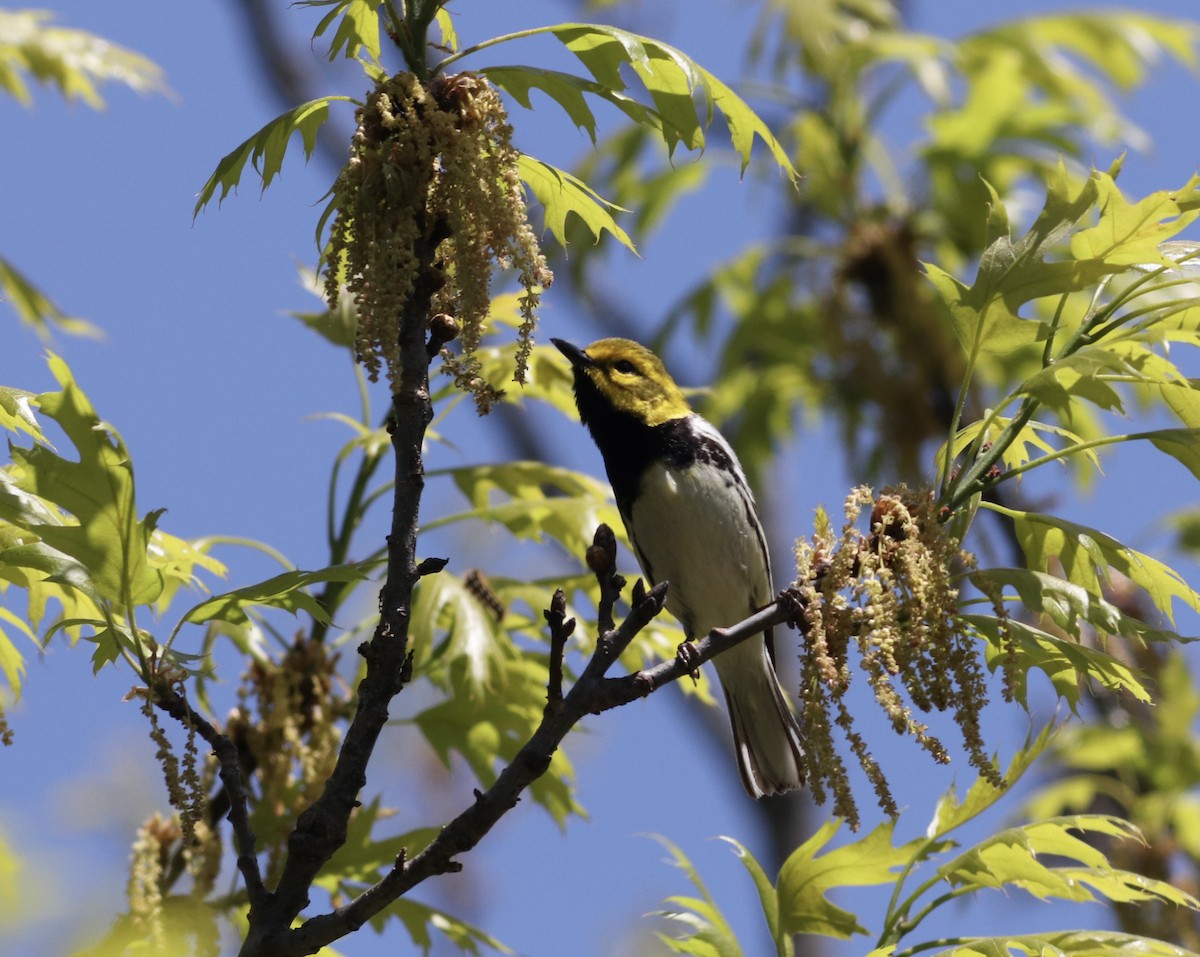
{"type": "Point", "coordinates": [168, 699]}
{"type": "Point", "coordinates": [602, 559]}
{"type": "Point", "coordinates": [561, 629]}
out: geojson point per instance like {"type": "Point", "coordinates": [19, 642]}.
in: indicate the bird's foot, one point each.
{"type": "Point", "coordinates": [689, 657]}
{"type": "Point", "coordinates": [794, 602]}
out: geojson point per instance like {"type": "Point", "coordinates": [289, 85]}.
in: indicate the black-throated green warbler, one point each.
{"type": "Point", "coordinates": [692, 521]}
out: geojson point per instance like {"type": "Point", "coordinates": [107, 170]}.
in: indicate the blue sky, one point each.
{"type": "Point", "coordinates": [215, 389]}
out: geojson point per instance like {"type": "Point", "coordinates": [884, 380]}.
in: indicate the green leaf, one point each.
{"type": "Point", "coordinates": [74, 62]}
{"type": "Point", "coordinates": [951, 813]}
{"type": "Point", "coordinates": [35, 308]}
{"type": "Point", "coordinates": [766, 897]}
{"type": "Point", "coordinates": [266, 148]}
{"type": "Point", "coordinates": [568, 91]}
{"type": "Point", "coordinates": [357, 29]}
{"type": "Point", "coordinates": [1067, 943]}
{"type": "Point", "coordinates": [419, 919]}
{"type": "Point", "coordinates": [10, 870]}
{"type": "Point", "coordinates": [179, 561]}
{"type": "Point", "coordinates": [708, 932]}
{"type": "Point", "coordinates": [487, 727]}
{"type": "Point", "coordinates": [16, 413]}
{"type": "Point", "coordinates": [285, 591]}
{"type": "Point", "coordinates": [469, 631]}
{"type": "Point", "coordinates": [1082, 375]}
{"type": "Point", "coordinates": [561, 195]}
{"type": "Point", "coordinates": [1011, 858]}
{"type": "Point", "coordinates": [12, 662]}
{"type": "Point", "coordinates": [1070, 606]}
{"type": "Point", "coordinates": [548, 378]}
{"type": "Point", "coordinates": [637, 175]}
{"type": "Point", "coordinates": [1119, 44]}
{"type": "Point", "coordinates": [1033, 435]}
{"type": "Point", "coordinates": [336, 325]}
{"type": "Point", "coordinates": [1129, 234]}
{"type": "Point", "coordinates": [672, 79]}
{"type": "Point", "coordinates": [1125, 887]}
{"type": "Point", "coordinates": [1183, 445]}
{"type": "Point", "coordinates": [1011, 273]}
{"type": "Point", "coordinates": [56, 567]}
{"type": "Point", "coordinates": [45, 575]}
{"type": "Point", "coordinates": [101, 531]}
{"type": "Point", "coordinates": [1087, 556]}
{"type": "Point", "coordinates": [536, 500]}
{"type": "Point", "coordinates": [807, 876]}
{"type": "Point", "coordinates": [989, 322]}
{"type": "Point", "coordinates": [684, 95]}
{"type": "Point", "coordinates": [1066, 662]}
{"type": "Point", "coordinates": [446, 24]}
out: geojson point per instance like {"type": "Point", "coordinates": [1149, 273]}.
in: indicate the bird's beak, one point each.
{"type": "Point", "coordinates": [577, 356]}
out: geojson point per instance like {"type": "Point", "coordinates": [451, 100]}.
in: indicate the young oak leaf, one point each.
{"type": "Point", "coordinates": [266, 148]}
{"type": "Point", "coordinates": [101, 530]}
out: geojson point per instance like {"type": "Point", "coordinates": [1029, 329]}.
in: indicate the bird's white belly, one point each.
{"type": "Point", "coordinates": [694, 529]}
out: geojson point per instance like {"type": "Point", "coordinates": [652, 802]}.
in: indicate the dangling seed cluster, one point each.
{"type": "Point", "coordinates": [149, 860]}
{"type": "Point", "coordinates": [433, 165]}
{"type": "Point", "coordinates": [890, 596]}
{"type": "Point", "coordinates": [288, 718]}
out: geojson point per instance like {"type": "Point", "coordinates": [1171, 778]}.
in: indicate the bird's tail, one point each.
{"type": "Point", "coordinates": [765, 734]}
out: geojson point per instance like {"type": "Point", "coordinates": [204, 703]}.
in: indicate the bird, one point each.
{"type": "Point", "coordinates": [692, 522]}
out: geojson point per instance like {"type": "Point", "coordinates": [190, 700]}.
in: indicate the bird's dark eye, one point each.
{"type": "Point", "coordinates": [625, 366]}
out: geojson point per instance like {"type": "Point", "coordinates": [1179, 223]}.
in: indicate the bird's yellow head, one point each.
{"type": "Point", "coordinates": [625, 377]}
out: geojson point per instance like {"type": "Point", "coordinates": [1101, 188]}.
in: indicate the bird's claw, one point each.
{"type": "Point", "coordinates": [689, 657]}
{"type": "Point", "coordinates": [793, 601]}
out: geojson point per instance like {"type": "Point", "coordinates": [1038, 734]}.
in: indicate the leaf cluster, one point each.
{"type": "Point", "coordinates": [1049, 859]}
{"type": "Point", "coordinates": [73, 62]}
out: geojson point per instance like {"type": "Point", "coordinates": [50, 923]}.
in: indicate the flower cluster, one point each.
{"type": "Point", "coordinates": [891, 597]}
{"type": "Point", "coordinates": [149, 861]}
{"type": "Point", "coordinates": [432, 179]}
{"type": "Point", "coordinates": [287, 723]}
{"type": "Point", "coordinates": [167, 847]}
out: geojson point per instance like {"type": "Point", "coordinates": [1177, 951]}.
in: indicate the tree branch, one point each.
{"type": "Point", "coordinates": [321, 829]}
{"type": "Point", "coordinates": [593, 693]}
{"type": "Point", "coordinates": [168, 699]}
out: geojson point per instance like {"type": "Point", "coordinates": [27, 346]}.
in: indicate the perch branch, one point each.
{"type": "Point", "coordinates": [593, 693]}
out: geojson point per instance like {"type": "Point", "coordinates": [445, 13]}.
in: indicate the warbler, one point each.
{"type": "Point", "coordinates": [692, 521]}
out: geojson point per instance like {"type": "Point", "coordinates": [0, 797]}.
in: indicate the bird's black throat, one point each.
{"type": "Point", "coordinates": [629, 446]}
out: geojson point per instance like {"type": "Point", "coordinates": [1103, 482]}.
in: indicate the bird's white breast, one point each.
{"type": "Point", "coordinates": [697, 529]}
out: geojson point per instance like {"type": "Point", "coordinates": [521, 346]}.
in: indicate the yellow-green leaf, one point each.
{"type": "Point", "coordinates": [357, 26]}
{"type": "Point", "coordinates": [34, 308]}
{"type": "Point", "coordinates": [101, 530]}
{"type": "Point", "coordinates": [532, 500]}
{"type": "Point", "coordinates": [286, 591]}
{"type": "Point", "coordinates": [562, 194]}
{"type": "Point", "coordinates": [568, 90]}
{"type": "Point", "coordinates": [16, 413]}
{"type": "Point", "coordinates": [266, 148]}
{"type": "Point", "coordinates": [1129, 234]}
{"type": "Point", "coordinates": [808, 875]}
{"type": "Point", "coordinates": [1087, 556]}
{"type": "Point", "coordinates": [74, 62]}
